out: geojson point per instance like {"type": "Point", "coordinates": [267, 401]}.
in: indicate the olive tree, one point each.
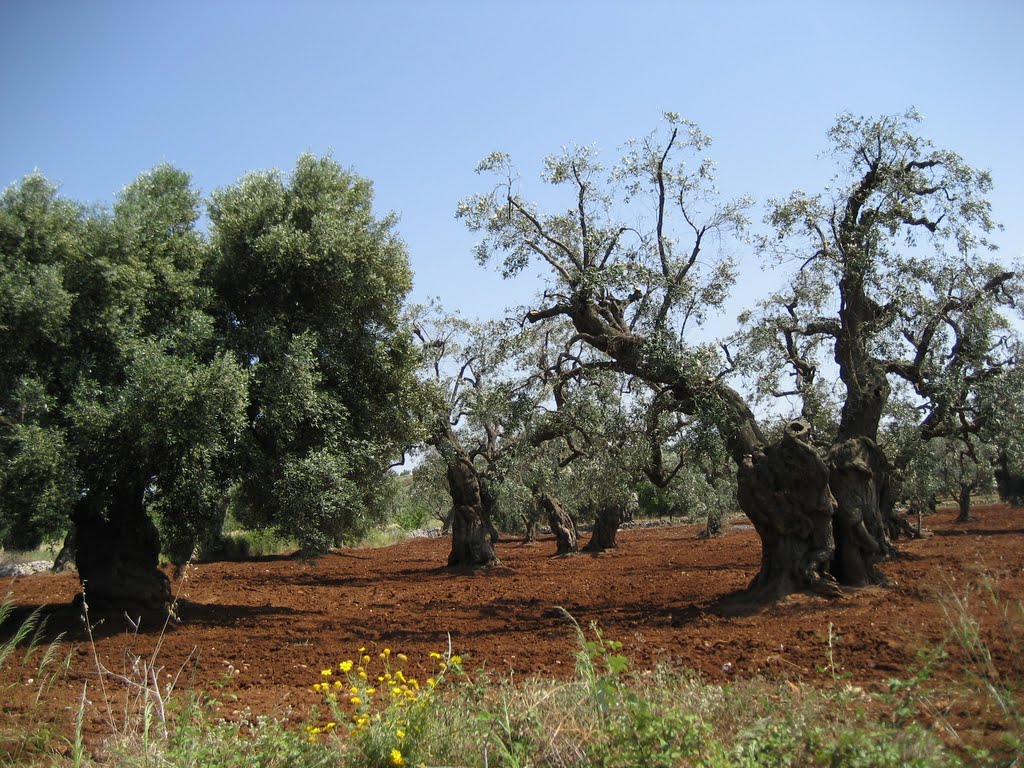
{"type": "Point", "coordinates": [118, 404]}
{"type": "Point", "coordinates": [309, 288]}
{"type": "Point", "coordinates": [151, 373]}
{"type": "Point", "coordinates": [892, 265]}
{"type": "Point", "coordinates": [635, 262]}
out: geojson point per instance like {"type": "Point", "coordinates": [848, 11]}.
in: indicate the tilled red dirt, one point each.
{"type": "Point", "coordinates": [262, 630]}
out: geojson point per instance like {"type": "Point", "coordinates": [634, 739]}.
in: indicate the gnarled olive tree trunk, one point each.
{"type": "Point", "coordinates": [489, 502]}
{"type": "Point", "coordinates": [117, 551]}
{"type": "Point", "coordinates": [472, 545]}
{"type": "Point", "coordinates": [859, 480]}
{"type": "Point", "coordinates": [561, 524]}
{"type": "Point", "coordinates": [963, 503]}
{"type": "Point", "coordinates": [784, 490]}
{"type": "Point", "coordinates": [607, 519]}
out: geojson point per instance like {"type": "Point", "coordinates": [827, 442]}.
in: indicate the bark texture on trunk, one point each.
{"type": "Point", "coordinates": [472, 545]}
{"type": "Point", "coordinates": [65, 559]}
{"type": "Point", "coordinates": [561, 524]}
{"type": "Point", "coordinates": [1009, 483]}
{"type": "Point", "coordinates": [784, 490]}
{"type": "Point", "coordinates": [489, 506]}
{"type": "Point", "coordinates": [859, 479]}
{"type": "Point", "coordinates": [963, 502]}
{"type": "Point", "coordinates": [607, 519]}
{"type": "Point", "coordinates": [117, 551]}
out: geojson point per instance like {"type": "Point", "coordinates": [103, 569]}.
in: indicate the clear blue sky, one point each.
{"type": "Point", "coordinates": [413, 94]}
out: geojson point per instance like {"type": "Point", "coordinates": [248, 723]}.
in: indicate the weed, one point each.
{"type": "Point", "coordinates": [1006, 623]}
{"type": "Point", "coordinates": [31, 667]}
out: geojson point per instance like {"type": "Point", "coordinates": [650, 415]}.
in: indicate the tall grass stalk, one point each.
{"type": "Point", "coordinates": [145, 706]}
{"type": "Point", "coordinates": [42, 666]}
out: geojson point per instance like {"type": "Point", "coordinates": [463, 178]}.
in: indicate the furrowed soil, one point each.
{"type": "Point", "coordinates": [257, 633]}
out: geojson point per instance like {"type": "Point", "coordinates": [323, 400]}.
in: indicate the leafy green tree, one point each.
{"type": "Point", "coordinates": [148, 372]}
{"type": "Point", "coordinates": [117, 400]}
{"type": "Point", "coordinates": [309, 288]}
{"type": "Point", "coordinates": [633, 267]}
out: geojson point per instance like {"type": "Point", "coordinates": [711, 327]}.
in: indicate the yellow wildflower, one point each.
{"type": "Point", "coordinates": [396, 757]}
{"type": "Point", "coordinates": [400, 733]}
{"type": "Point", "coordinates": [456, 659]}
{"type": "Point", "coordinates": [362, 674]}
{"type": "Point", "coordinates": [366, 659]}
{"type": "Point", "coordinates": [431, 682]}
{"type": "Point", "coordinates": [326, 672]}
{"type": "Point", "coordinates": [337, 684]}
{"type": "Point", "coordinates": [355, 701]}
{"type": "Point", "coordinates": [345, 666]}
{"type": "Point", "coordinates": [435, 655]}
{"type": "Point", "coordinates": [402, 657]}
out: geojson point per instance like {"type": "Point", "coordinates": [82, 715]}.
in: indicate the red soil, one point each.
{"type": "Point", "coordinates": [264, 629]}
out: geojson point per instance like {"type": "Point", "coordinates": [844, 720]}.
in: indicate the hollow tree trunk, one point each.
{"type": "Point", "coordinates": [784, 490]}
{"type": "Point", "coordinates": [859, 482]}
{"type": "Point", "coordinates": [561, 524]}
{"type": "Point", "coordinates": [117, 554]}
{"type": "Point", "coordinates": [607, 520]}
{"type": "Point", "coordinates": [471, 541]}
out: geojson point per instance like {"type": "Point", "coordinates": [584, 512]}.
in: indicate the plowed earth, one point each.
{"type": "Point", "coordinates": [262, 630]}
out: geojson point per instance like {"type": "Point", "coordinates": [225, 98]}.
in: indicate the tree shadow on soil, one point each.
{"type": "Point", "coordinates": [67, 622]}
{"type": "Point", "coordinates": [979, 532]}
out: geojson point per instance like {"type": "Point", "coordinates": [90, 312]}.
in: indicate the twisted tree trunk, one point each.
{"type": "Point", "coordinates": [561, 524]}
{"type": "Point", "coordinates": [489, 502]}
{"type": "Point", "coordinates": [859, 480]}
{"type": "Point", "coordinates": [472, 545]}
{"type": "Point", "coordinates": [784, 490]}
{"type": "Point", "coordinates": [607, 519]}
{"type": "Point", "coordinates": [963, 501]}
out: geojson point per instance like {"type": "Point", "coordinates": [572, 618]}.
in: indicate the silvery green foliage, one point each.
{"type": "Point", "coordinates": [265, 361]}
{"type": "Point", "coordinates": [893, 256]}
{"type": "Point", "coordinates": [651, 226]}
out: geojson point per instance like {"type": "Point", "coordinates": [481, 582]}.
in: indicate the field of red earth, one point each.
{"type": "Point", "coordinates": [262, 630]}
